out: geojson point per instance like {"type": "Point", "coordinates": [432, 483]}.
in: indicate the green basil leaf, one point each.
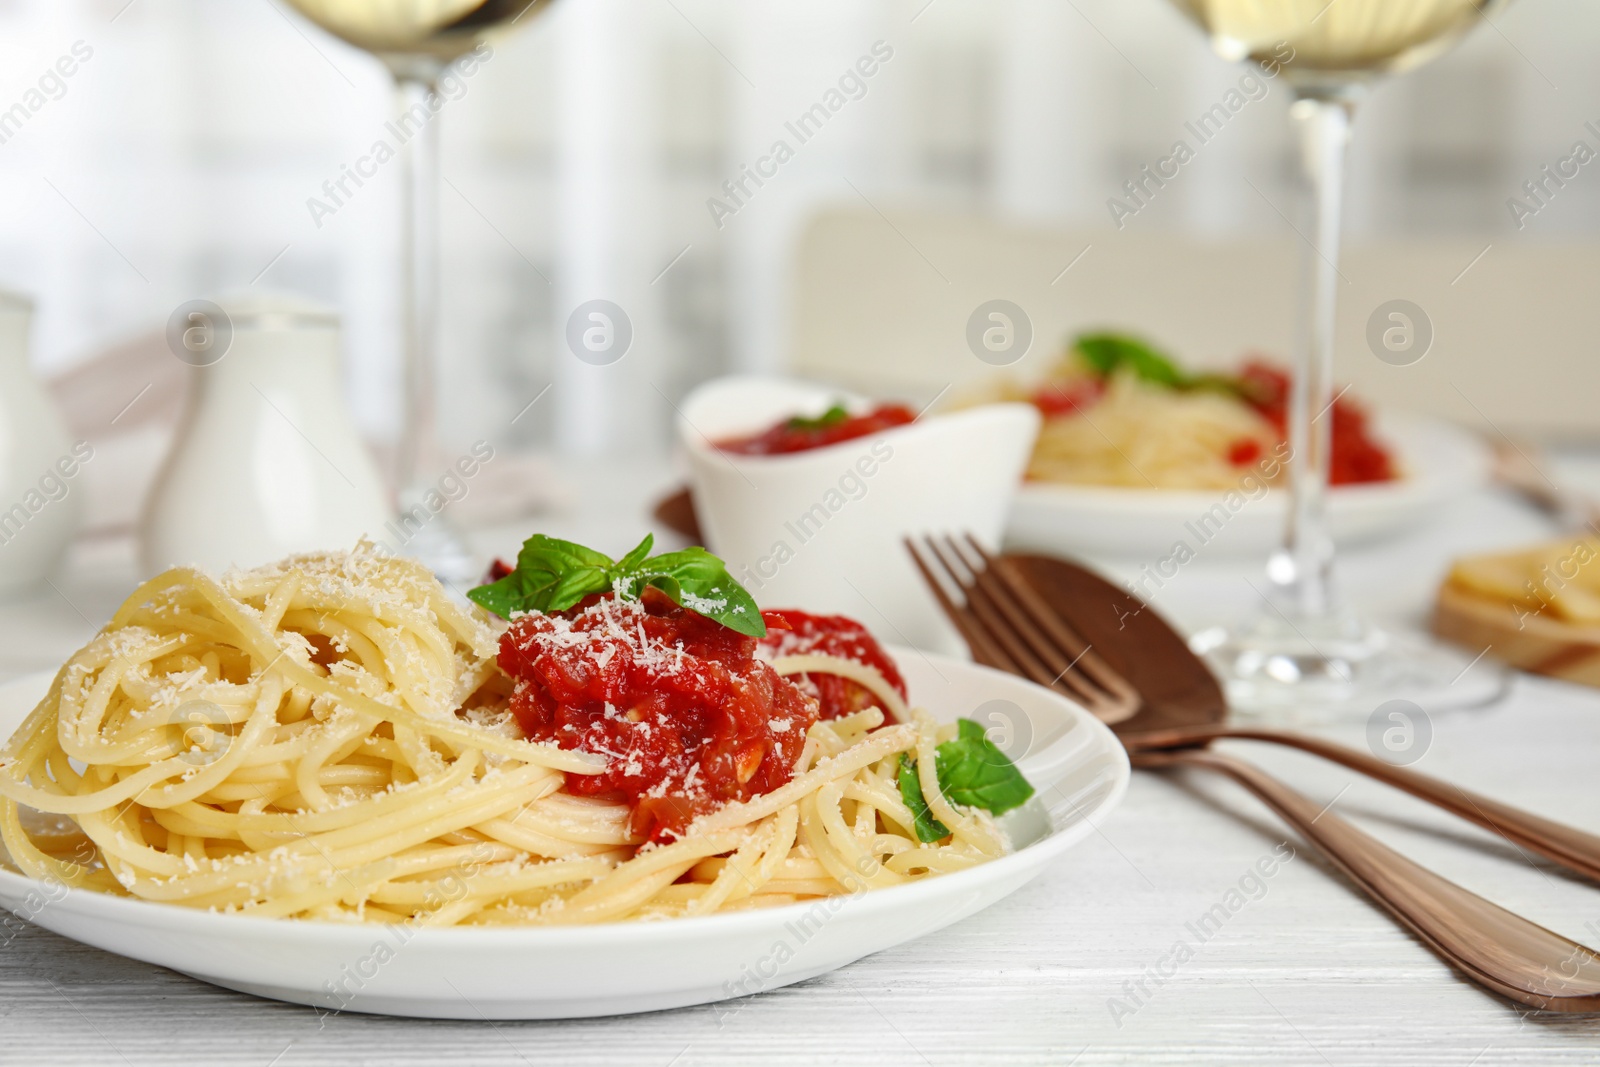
{"type": "Point", "coordinates": [551, 575]}
{"type": "Point", "coordinates": [974, 773]}
{"type": "Point", "coordinates": [927, 827]}
{"type": "Point", "coordinates": [1210, 381]}
{"type": "Point", "coordinates": [576, 585]}
{"type": "Point", "coordinates": [502, 597]}
{"type": "Point", "coordinates": [832, 417]}
{"type": "Point", "coordinates": [636, 556]}
{"type": "Point", "coordinates": [699, 581]}
{"type": "Point", "coordinates": [1107, 353]}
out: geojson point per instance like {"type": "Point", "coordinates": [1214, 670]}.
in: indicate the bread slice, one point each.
{"type": "Point", "coordinates": [1536, 641]}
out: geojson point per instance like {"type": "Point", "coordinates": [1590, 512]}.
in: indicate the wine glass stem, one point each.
{"type": "Point", "coordinates": [419, 252]}
{"type": "Point", "coordinates": [1301, 572]}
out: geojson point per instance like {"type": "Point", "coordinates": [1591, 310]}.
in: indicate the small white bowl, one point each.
{"type": "Point", "coordinates": [826, 527]}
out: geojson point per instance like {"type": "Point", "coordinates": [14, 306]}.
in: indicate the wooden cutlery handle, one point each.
{"type": "Point", "coordinates": [1485, 942]}
{"type": "Point", "coordinates": [1571, 848]}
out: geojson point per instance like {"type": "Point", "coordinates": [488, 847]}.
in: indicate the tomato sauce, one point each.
{"type": "Point", "coordinates": [802, 434]}
{"type": "Point", "coordinates": [1356, 456]}
{"type": "Point", "coordinates": [831, 635]}
{"type": "Point", "coordinates": [687, 716]}
{"type": "Point", "coordinates": [1055, 399]}
{"type": "Point", "coordinates": [1245, 450]}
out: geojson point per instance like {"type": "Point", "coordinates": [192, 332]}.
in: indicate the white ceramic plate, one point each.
{"type": "Point", "coordinates": [1441, 462]}
{"type": "Point", "coordinates": [1079, 767]}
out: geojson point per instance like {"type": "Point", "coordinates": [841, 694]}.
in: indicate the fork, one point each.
{"type": "Point", "coordinates": [1009, 626]}
{"type": "Point", "coordinates": [1105, 693]}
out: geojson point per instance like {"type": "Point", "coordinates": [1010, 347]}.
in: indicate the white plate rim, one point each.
{"type": "Point", "coordinates": [1445, 462]}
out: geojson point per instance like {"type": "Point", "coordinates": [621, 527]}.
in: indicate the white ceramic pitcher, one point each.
{"type": "Point", "coordinates": [266, 461]}
{"type": "Point", "coordinates": [40, 492]}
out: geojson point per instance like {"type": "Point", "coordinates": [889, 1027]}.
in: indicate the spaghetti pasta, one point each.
{"type": "Point", "coordinates": [1145, 436]}
{"type": "Point", "coordinates": [1130, 433]}
{"type": "Point", "coordinates": [1120, 413]}
{"type": "Point", "coordinates": [330, 738]}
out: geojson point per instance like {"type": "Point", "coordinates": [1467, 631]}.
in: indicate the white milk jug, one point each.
{"type": "Point", "coordinates": [266, 461]}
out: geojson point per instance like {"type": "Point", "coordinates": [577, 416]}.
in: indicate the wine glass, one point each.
{"type": "Point", "coordinates": [417, 40]}
{"type": "Point", "coordinates": [1306, 653]}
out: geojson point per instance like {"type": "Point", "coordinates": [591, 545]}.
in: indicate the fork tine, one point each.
{"type": "Point", "coordinates": [990, 612]}
{"type": "Point", "coordinates": [1065, 639]}
{"type": "Point", "coordinates": [1053, 666]}
{"type": "Point", "coordinates": [1002, 637]}
{"type": "Point", "coordinates": [984, 649]}
{"type": "Point", "coordinates": [989, 616]}
{"type": "Point", "coordinates": [1052, 626]}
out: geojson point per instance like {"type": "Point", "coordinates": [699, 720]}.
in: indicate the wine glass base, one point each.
{"type": "Point", "coordinates": [1284, 678]}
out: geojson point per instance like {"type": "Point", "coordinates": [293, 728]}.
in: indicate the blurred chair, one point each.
{"type": "Point", "coordinates": [881, 304]}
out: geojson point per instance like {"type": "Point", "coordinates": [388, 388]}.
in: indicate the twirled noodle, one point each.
{"type": "Point", "coordinates": [1143, 436]}
{"type": "Point", "coordinates": [329, 738]}
{"type": "Point", "coordinates": [1147, 436]}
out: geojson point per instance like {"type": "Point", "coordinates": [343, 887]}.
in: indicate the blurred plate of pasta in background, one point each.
{"type": "Point", "coordinates": [1137, 453]}
{"type": "Point", "coordinates": [1438, 463]}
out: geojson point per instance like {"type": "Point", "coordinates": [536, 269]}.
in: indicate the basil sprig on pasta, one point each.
{"type": "Point", "coordinates": [973, 773]}
{"type": "Point", "coordinates": [553, 575]}
{"type": "Point", "coordinates": [1108, 353]}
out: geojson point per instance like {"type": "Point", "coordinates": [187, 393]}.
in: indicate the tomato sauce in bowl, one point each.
{"type": "Point", "coordinates": [801, 434]}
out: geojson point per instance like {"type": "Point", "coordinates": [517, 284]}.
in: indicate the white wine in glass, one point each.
{"type": "Point", "coordinates": [440, 30]}
{"type": "Point", "coordinates": [417, 40]}
{"type": "Point", "coordinates": [1338, 43]}
{"type": "Point", "coordinates": [1307, 655]}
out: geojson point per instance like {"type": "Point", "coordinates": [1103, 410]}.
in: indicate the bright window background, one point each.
{"type": "Point", "coordinates": [178, 160]}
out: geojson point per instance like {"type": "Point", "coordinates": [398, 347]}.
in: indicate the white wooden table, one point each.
{"type": "Point", "coordinates": [1308, 973]}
